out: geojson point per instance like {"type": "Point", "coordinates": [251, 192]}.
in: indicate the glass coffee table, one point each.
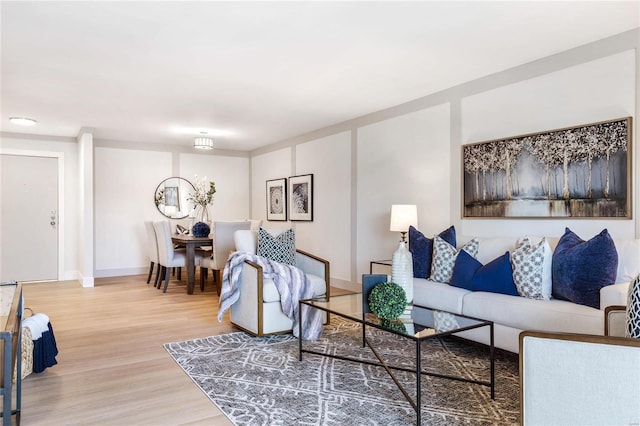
{"type": "Point", "coordinates": [349, 306]}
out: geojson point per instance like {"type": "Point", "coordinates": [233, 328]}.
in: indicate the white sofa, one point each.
{"type": "Point", "coordinates": [513, 314]}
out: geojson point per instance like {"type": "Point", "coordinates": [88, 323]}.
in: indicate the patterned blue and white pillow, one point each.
{"type": "Point", "coordinates": [444, 258]}
{"type": "Point", "coordinates": [531, 266]}
{"type": "Point", "coordinates": [280, 248]}
{"type": "Point", "coordinates": [632, 325]}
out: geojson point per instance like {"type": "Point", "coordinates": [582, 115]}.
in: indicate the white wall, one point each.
{"type": "Point", "coordinates": [125, 183]}
{"type": "Point", "coordinates": [231, 175]}
{"type": "Point", "coordinates": [273, 165]}
{"type": "Point", "coordinates": [594, 91]}
{"type": "Point", "coordinates": [404, 160]}
{"type": "Point", "coordinates": [411, 153]}
{"type": "Point", "coordinates": [329, 234]}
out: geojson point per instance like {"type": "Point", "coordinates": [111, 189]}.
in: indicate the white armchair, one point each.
{"type": "Point", "coordinates": [579, 379]}
{"type": "Point", "coordinates": [258, 311]}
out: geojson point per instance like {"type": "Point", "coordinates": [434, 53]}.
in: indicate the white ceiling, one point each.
{"type": "Point", "coordinates": [254, 73]}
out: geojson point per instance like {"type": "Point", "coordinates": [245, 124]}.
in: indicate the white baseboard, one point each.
{"type": "Point", "coordinates": [121, 272]}
{"type": "Point", "coordinates": [346, 285]}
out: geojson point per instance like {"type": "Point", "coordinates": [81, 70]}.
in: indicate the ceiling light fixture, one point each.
{"type": "Point", "coordinates": [22, 121]}
{"type": "Point", "coordinates": [202, 143]}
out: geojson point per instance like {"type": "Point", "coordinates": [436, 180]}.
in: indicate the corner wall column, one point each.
{"type": "Point", "coordinates": [86, 213]}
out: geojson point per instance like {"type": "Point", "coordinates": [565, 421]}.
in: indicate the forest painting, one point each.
{"type": "Point", "coordinates": [582, 171]}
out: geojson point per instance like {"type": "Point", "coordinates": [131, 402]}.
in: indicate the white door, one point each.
{"type": "Point", "coordinates": [28, 218]}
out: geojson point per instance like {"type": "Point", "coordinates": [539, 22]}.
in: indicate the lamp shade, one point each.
{"type": "Point", "coordinates": [403, 216]}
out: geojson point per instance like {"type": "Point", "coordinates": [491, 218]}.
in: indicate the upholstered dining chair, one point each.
{"type": "Point", "coordinates": [223, 245]}
{"type": "Point", "coordinates": [152, 251]}
{"type": "Point", "coordinates": [168, 257]}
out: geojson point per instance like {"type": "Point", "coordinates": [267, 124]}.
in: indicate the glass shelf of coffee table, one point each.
{"type": "Point", "coordinates": [350, 307]}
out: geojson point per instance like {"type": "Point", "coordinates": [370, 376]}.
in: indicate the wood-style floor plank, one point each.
{"type": "Point", "coordinates": [112, 366]}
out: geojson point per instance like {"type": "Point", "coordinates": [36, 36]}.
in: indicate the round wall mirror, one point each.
{"type": "Point", "coordinates": [171, 197]}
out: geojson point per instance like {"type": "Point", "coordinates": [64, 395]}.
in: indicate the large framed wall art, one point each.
{"type": "Point", "coordinates": [578, 172]}
{"type": "Point", "coordinates": [277, 199]}
{"type": "Point", "coordinates": [301, 197]}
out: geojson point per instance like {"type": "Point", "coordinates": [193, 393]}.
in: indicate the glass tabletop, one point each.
{"type": "Point", "coordinates": [432, 322]}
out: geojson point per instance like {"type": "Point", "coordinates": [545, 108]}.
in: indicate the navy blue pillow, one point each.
{"type": "Point", "coordinates": [421, 249]}
{"type": "Point", "coordinates": [464, 270]}
{"type": "Point", "coordinates": [495, 277]}
{"type": "Point", "coordinates": [581, 268]}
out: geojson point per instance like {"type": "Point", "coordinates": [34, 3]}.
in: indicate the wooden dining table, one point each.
{"type": "Point", "coordinates": [191, 243]}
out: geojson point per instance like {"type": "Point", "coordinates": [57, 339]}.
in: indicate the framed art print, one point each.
{"type": "Point", "coordinates": [301, 197]}
{"type": "Point", "coordinates": [277, 199]}
{"type": "Point", "coordinates": [578, 172]}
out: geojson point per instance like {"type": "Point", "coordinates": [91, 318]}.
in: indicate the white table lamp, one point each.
{"type": "Point", "coordinates": [403, 216]}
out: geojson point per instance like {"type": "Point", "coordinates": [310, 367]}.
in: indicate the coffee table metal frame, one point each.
{"type": "Point", "coordinates": [416, 404]}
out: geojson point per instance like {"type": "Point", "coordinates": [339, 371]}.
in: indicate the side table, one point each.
{"type": "Point", "coordinates": [380, 267]}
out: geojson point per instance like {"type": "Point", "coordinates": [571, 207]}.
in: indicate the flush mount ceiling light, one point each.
{"type": "Point", "coordinates": [22, 121]}
{"type": "Point", "coordinates": [203, 143]}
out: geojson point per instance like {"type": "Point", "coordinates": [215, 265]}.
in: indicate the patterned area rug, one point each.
{"type": "Point", "coordinates": [259, 381]}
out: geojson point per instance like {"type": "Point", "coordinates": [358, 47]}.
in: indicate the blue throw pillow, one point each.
{"type": "Point", "coordinates": [421, 249]}
{"type": "Point", "coordinates": [581, 268]}
{"type": "Point", "coordinates": [495, 277]}
{"type": "Point", "coordinates": [464, 270]}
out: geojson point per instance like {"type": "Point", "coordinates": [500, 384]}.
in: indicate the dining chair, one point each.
{"type": "Point", "coordinates": [223, 245]}
{"type": "Point", "coordinates": [167, 255]}
{"type": "Point", "coordinates": [152, 251]}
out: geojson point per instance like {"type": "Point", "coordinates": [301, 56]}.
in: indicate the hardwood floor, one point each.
{"type": "Point", "coordinates": [112, 368]}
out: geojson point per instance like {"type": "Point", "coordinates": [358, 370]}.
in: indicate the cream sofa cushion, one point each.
{"type": "Point", "coordinates": [531, 314]}
{"type": "Point", "coordinates": [438, 295]}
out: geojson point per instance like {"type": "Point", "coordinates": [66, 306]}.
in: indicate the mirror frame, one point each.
{"type": "Point", "coordinates": [179, 197]}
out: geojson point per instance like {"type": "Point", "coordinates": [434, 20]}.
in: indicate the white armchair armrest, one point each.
{"type": "Point", "coordinates": [615, 321]}
{"type": "Point", "coordinates": [247, 311]}
{"type": "Point", "coordinates": [565, 379]}
{"type": "Point", "coordinates": [313, 265]}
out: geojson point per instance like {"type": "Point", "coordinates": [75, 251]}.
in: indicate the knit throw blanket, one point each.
{"type": "Point", "coordinates": [291, 282]}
